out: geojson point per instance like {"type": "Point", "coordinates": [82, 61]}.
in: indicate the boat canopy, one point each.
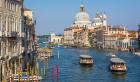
{"type": "Point", "coordinates": [117, 60]}
{"type": "Point", "coordinates": [85, 56]}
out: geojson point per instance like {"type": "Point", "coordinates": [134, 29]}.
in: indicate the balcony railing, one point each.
{"type": "Point", "coordinates": [12, 34]}
{"type": "Point", "coordinates": [22, 34]}
{"type": "Point", "coordinates": [12, 55]}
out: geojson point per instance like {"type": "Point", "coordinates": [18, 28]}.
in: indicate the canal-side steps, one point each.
{"type": "Point", "coordinates": [27, 78]}
{"type": "Point", "coordinates": [86, 60]}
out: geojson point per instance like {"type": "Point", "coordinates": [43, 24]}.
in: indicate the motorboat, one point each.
{"type": "Point", "coordinates": [86, 60]}
{"type": "Point", "coordinates": [117, 65]}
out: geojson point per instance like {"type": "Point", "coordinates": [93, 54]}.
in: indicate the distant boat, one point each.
{"type": "Point", "coordinates": [113, 56]}
{"type": "Point", "coordinates": [137, 53]}
{"type": "Point", "coordinates": [65, 46]}
{"type": "Point", "coordinates": [117, 65]}
{"type": "Point", "coordinates": [44, 42]}
{"type": "Point", "coordinates": [86, 60]}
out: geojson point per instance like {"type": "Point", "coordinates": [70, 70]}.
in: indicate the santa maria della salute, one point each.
{"type": "Point", "coordinates": [82, 19]}
{"type": "Point", "coordinates": [82, 27]}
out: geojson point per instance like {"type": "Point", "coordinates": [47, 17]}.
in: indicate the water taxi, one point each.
{"type": "Point", "coordinates": [117, 65]}
{"type": "Point", "coordinates": [86, 60]}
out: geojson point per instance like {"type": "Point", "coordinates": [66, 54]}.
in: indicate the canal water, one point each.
{"type": "Point", "coordinates": [69, 69]}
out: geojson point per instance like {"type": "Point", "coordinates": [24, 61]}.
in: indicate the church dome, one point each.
{"type": "Point", "coordinates": [97, 20]}
{"type": "Point", "coordinates": [82, 18]}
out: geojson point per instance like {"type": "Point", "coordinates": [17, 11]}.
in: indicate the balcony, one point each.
{"type": "Point", "coordinates": [3, 33]}
{"type": "Point", "coordinates": [22, 34]}
{"type": "Point", "coordinates": [12, 55]}
{"type": "Point", "coordinates": [12, 34]}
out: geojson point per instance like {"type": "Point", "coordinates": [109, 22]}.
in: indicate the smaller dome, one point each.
{"type": "Point", "coordinates": [97, 20]}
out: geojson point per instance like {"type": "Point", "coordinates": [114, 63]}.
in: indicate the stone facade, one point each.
{"type": "Point", "coordinates": [29, 39]}
{"type": "Point", "coordinates": [11, 37]}
{"type": "Point", "coordinates": [107, 35]}
{"type": "Point", "coordinates": [69, 35]}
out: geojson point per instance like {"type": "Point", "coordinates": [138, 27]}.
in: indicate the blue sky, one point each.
{"type": "Point", "coordinates": [55, 15]}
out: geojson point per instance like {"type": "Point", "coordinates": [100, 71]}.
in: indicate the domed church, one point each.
{"type": "Point", "coordinates": [82, 18]}
{"type": "Point", "coordinates": [82, 33]}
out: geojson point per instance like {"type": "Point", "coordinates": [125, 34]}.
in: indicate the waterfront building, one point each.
{"type": "Point", "coordinates": [29, 39]}
{"type": "Point", "coordinates": [69, 35]}
{"type": "Point", "coordinates": [128, 42]}
{"type": "Point", "coordinates": [56, 39]}
{"type": "Point", "coordinates": [84, 37]}
{"type": "Point", "coordinates": [106, 36]}
{"type": "Point", "coordinates": [11, 37]}
{"type": "Point", "coordinates": [100, 36]}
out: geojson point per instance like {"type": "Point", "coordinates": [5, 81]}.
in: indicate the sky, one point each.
{"type": "Point", "coordinates": [56, 15]}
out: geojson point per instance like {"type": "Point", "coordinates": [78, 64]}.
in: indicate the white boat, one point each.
{"type": "Point", "coordinates": [113, 56]}
{"type": "Point", "coordinates": [44, 42]}
{"type": "Point", "coordinates": [137, 53]}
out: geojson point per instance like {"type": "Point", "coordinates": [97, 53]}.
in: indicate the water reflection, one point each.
{"type": "Point", "coordinates": [118, 75]}
{"type": "Point", "coordinates": [86, 68]}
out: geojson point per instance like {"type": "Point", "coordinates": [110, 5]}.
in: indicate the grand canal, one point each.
{"type": "Point", "coordinates": [69, 69]}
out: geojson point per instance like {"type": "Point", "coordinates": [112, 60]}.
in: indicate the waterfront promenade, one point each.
{"type": "Point", "coordinates": [69, 69]}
